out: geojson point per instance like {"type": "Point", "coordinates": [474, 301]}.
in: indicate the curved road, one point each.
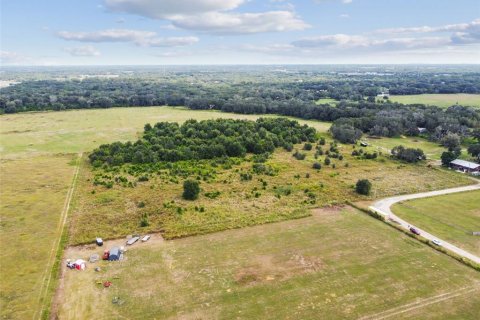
{"type": "Point", "coordinates": [383, 207]}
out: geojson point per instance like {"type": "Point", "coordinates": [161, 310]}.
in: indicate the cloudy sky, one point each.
{"type": "Point", "coordinates": [152, 32]}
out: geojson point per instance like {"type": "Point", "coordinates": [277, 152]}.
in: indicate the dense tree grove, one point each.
{"type": "Point", "coordinates": [206, 139]}
{"type": "Point", "coordinates": [292, 92]}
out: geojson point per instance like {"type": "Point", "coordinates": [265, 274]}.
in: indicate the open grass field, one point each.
{"type": "Point", "coordinates": [327, 101]}
{"type": "Point", "coordinates": [32, 196]}
{"type": "Point", "coordinates": [83, 130]}
{"type": "Point", "coordinates": [337, 262]}
{"type": "Point", "coordinates": [37, 152]}
{"type": "Point", "coordinates": [450, 217]}
{"type": "Point", "coordinates": [432, 150]}
{"type": "Point", "coordinates": [440, 100]}
{"type": "Point", "coordinates": [115, 212]}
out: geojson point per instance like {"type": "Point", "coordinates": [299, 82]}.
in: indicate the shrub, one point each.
{"type": "Point", "coordinates": [327, 161]}
{"type": "Point", "coordinates": [212, 195]}
{"type": "Point", "coordinates": [144, 221]}
{"type": "Point", "coordinates": [191, 189]}
{"type": "Point", "coordinates": [299, 156]}
{"type": "Point", "coordinates": [307, 146]}
{"type": "Point", "coordinates": [363, 186]}
{"type": "Point", "coordinates": [447, 157]}
{"type": "Point", "coordinates": [317, 165]}
{"type": "Point", "coordinates": [345, 133]}
{"type": "Point", "coordinates": [408, 154]}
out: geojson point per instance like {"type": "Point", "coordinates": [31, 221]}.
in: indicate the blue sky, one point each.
{"type": "Point", "coordinates": [157, 32]}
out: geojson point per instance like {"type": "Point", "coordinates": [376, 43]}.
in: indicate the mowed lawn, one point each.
{"type": "Point", "coordinates": [440, 100]}
{"type": "Point", "coordinates": [84, 130]}
{"type": "Point", "coordinates": [451, 217]}
{"type": "Point", "coordinates": [32, 196]}
{"type": "Point", "coordinates": [336, 264]}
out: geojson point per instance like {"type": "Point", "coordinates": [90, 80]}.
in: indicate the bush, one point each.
{"type": "Point", "coordinates": [307, 146]}
{"type": "Point", "coordinates": [327, 161]}
{"type": "Point", "coordinates": [447, 157]}
{"type": "Point", "coordinates": [408, 154]}
{"type": "Point", "coordinates": [363, 186]}
{"type": "Point", "coordinates": [191, 189]}
{"type": "Point", "coordinates": [317, 165]}
{"type": "Point", "coordinates": [299, 156]}
{"type": "Point", "coordinates": [144, 221]}
{"type": "Point", "coordinates": [345, 133]}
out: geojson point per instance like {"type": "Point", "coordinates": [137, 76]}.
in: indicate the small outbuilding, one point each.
{"type": "Point", "coordinates": [114, 254]}
{"type": "Point", "coordinates": [465, 166]}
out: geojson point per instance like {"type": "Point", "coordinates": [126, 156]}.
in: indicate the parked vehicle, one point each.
{"type": "Point", "coordinates": [414, 231]}
{"type": "Point", "coordinates": [132, 240]}
{"type": "Point", "coordinates": [146, 238]}
{"type": "Point", "coordinates": [437, 242]}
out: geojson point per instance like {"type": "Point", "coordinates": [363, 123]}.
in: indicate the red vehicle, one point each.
{"type": "Point", "coordinates": [414, 231]}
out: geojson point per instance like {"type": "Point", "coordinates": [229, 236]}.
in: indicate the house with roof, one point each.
{"type": "Point", "coordinates": [465, 166]}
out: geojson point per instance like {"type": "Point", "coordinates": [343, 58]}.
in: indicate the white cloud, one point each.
{"type": "Point", "coordinates": [344, 16]}
{"type": "Point", "coordinates": [242, 23]}
{"type": "Point", "coordinates": [356, 42]}
{"type": "Point", "coordinates": [110, 35]}
{"type": "Point", "coordinates": [347, 1]}
{"type": "Point", "coordinates": [83, 51]}
{"type": "Point", "coordinates": [138, 37]}
{"type": "Point", "coordinates": [459, 27]}
{"type": "Point", "coordinates": [213, 16]}
{"type": "Point", "coordinates": [168, 42]}
{"type": "Point", "coordinates": [164, 9]}
{"type": "Point", "coordinates": [10, 57]}
{"type": "Point", "coordinates": [398, 38]}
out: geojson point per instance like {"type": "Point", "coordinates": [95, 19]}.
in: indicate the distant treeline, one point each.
{"type": "Point", "coordinates": [208, 139]}
{"type": "Point", "coordinates": [357, 108]}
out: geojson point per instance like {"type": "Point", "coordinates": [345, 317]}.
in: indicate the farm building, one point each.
{"type": "Point", "coordinates": [465, 166]}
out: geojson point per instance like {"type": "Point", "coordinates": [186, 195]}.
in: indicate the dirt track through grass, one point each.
{"type": "Point", "coordinates": [387, 314]}
{"type": "Point", "coordinates": [45, 298]}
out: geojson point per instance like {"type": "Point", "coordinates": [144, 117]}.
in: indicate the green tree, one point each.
{"type": "Point", "coordinates": [191, 189]}
{"type": "Point", "coordinates": [474, 150]}
{"type": "Point", "coordinates": [447, 157]}
{"type": "Point", "coordinates": [363, 186]}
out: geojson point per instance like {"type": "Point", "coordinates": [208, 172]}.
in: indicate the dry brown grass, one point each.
{"type": "Point", "coordinates": [113, 212]}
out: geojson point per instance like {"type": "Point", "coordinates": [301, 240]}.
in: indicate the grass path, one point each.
{"type": "Point", "coordinates": [44, 300]}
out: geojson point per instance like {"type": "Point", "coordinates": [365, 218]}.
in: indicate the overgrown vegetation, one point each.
{"type": "Point", "coordinates": [208, 139]}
